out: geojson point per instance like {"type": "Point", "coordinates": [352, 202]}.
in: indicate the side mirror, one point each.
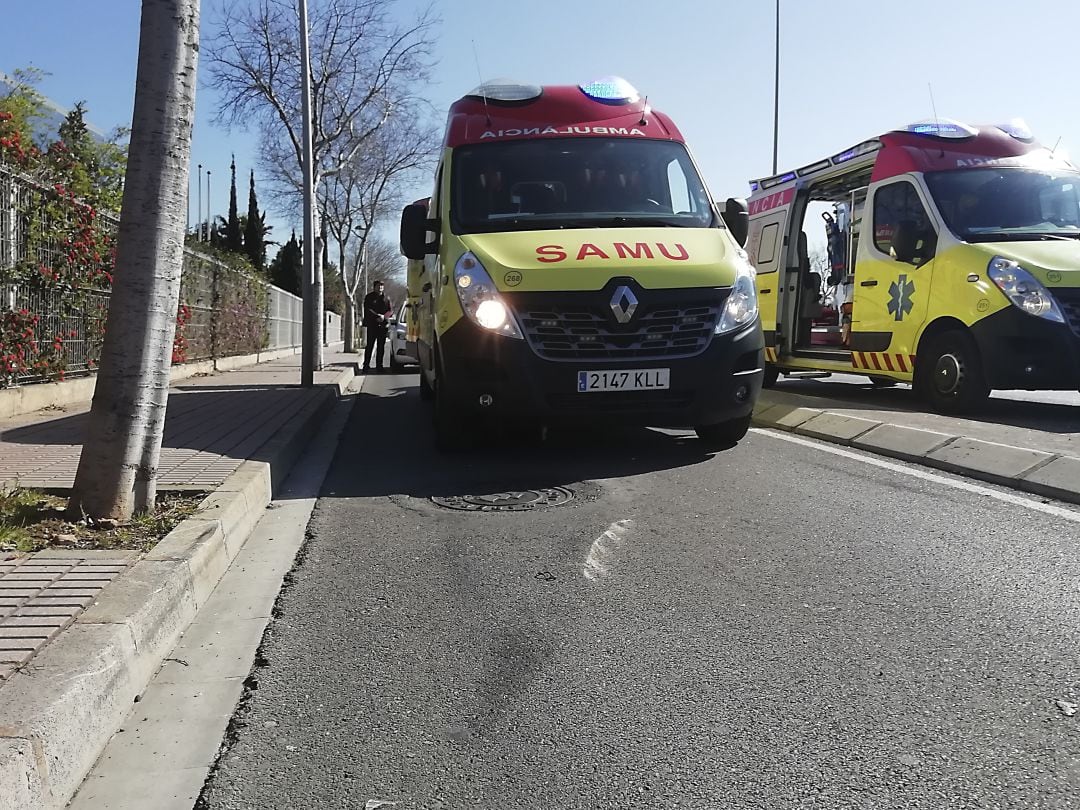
{"type": "Point", "coordinates": [415, 226]}
{"type": "Point", "coordinates": [737, 217]}
{"type": "Point", "coordinates": [910, 244]}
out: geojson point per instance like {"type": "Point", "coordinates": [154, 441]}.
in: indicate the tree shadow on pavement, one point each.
{"type": "Point", "coordinates": [230, 421]}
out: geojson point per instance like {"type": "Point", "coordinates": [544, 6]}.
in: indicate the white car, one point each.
{"type": "Point", "coordinates": [402, 350]}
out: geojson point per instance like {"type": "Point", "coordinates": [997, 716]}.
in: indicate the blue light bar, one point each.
{"type": "Point", "coordinates": [942, 128]}
{"type": "Point", "coordinates": [611, 90]}
{"type": "Point", "coordinates": [1018, 129]}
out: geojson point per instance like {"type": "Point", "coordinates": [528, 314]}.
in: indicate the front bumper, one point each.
{"type": "Point", "coordinates": [1023, 352]}
{"type": "Point", "coordinates": [719, 384]}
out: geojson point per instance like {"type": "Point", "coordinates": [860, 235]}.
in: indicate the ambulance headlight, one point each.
{"type": "Point", "coordinates": [492, 314]}
{"type": "Point", "coordinates": [480, 299]}
{"type": "Point", "coordinates": [741, 306]}
{"type": "Point", "coordinates": [1024, 290]}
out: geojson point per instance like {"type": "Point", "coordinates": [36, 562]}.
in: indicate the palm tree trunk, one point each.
{"type": "Point", "coordinates": [117, 472]}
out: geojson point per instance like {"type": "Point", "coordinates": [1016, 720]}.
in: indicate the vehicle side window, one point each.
{"type": "Point", "coordinates": [767, 247]}
{"type": "Point", "coordinates": [895, 204]}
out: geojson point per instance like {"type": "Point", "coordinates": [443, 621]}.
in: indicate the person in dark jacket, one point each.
{"type": "Point", "coordinates": [377, 313]}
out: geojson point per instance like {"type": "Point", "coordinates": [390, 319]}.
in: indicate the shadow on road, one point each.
{"type": "Point", "coordinates": [389, 449]}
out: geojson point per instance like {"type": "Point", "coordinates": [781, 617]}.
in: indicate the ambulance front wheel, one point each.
{"type": "Point", "coordinates": [723, 435]}
{"type": "Point", "coordinates": [772, 374]}
{"type": "Point", "coordinates": [949, 373]}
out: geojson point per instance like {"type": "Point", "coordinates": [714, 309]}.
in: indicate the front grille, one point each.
{"type": "Point", "coordinates": [581, 326]}
{"type": "Point", "coordinates": [1068, 299]}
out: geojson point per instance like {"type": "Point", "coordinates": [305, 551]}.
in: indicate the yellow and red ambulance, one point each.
{"type": "Point", "coordinates": [576, 269]}
{"type": "Point", "coordinates": [952, 262]}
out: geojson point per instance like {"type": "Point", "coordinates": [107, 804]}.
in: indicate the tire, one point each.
{"type": "Point", "coordinates": [395, 364]}
{"type": "Point", "coordinates": [772, 374]}
{"type": "Point", "coordinates": [723, 435]}
{"type": "Point", "coordinates": [427, 393]}
{"type": "Point", "coordinates": [949, 373]}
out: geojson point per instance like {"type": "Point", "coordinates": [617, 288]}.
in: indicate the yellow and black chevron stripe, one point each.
{"type": "Point", "coordinates": [883, 361]}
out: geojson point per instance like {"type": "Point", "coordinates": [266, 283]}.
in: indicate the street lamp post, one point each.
{"type": "Point", "coordinates": [198, 215]}
{"type": "Point", "coordinates": [312, 318]}
{"type": "Point", "coordinates": [207, 205]}
{"type": "Point", "coordinates": [776, 93]}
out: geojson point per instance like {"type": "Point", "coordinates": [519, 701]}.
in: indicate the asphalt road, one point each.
{"type": "Point", "coordinates": [781, 625]}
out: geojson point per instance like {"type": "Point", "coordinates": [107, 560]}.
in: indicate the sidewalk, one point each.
{"type": "Point", "coordinates": [1037, 454]}
{"type": "Point", "coordinates": [212, 424]}
{"type": "Point", "coordinates": [81, 632]}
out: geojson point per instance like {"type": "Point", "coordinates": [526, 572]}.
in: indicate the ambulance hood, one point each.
{"type": "Point", "coordinates": [1056, 263]}
{"type": "Point", "coordinates": [586, 259]}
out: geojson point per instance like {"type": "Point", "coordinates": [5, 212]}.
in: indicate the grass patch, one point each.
{"type": "Point", "coordinates": [33, 521]}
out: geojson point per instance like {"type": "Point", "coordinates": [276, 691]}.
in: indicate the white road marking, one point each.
{"type": "Point", "coordinates": [603, 550]}
{"type": "Point", "coordinates": [1015, 500]}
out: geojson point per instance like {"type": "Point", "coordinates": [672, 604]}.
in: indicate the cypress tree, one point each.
{"type": "Point", "coordinates": [286, 266]}
{"type": "Point", "coordinates": [255, 234]}
{"type": "Point", "coordinates": [233, 238]}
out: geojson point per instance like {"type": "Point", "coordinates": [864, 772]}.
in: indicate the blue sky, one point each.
{"type": "Point", "coordinates": [848, 70]}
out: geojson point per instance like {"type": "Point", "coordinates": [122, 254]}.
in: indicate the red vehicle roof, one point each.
{"type": "Point", "coordinates": [904, 152]}
{"type": "Point", "coordinates": [559, 111]}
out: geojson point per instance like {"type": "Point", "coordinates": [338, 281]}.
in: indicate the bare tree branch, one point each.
{"type": "Point", "coordinates": [365, 68]}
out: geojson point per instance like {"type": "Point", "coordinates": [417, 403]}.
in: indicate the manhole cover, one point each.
{"type": "Point", "coordinates": [515, 501]}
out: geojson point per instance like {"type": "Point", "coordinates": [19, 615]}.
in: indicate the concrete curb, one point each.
{"type": "Point", "coordinates": [59, 711]}
{"type": "Point", "coordinates": [1049, 474]}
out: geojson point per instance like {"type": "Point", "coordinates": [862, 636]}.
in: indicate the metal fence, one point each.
{"type": "Point", "coordinates": [228, 311]}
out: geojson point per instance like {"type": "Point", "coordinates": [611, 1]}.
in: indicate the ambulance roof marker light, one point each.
{"type": "Point", "coordinates": [1018, 129]}
{"type": "Point", "coordinates": [506, 91]}
{"type": "Point", "coordinates": [864, 148]}
{"type": "Point", "coordinates": [610, 90]}
{"type": "Point", "coordinates": [942, 128]}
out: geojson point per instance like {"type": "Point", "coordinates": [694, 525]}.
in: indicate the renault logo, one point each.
{"type": "Point", "coordinates": [623, 304]}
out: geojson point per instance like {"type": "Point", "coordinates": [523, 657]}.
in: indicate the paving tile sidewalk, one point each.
{"type": "Point", "coordinates": [212, 424]}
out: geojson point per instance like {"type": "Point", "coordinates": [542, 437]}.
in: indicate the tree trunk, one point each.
{"type": "Point", "coordinates": [347, 324]}
{"type": "Point", "coordinates": [347, 320]}
{"type": "Point", "coordinates": [117, 471]}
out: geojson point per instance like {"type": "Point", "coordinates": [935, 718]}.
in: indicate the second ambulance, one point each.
{"type": "Point", "coordinates": [570, 266]}
{"type": "Point", "coordinates": [953, 263]}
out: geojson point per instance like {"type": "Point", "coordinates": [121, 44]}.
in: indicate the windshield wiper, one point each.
{"type": "Point", "coordinates": [630, 222]}
{"type": "Point", "coordinates": [1022, 236]}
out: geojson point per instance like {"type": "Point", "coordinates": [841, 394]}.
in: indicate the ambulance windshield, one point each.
{"type": "Point", "coordinates": [576, 183]}
{"type": "Point", "coordinates": [993, 204]}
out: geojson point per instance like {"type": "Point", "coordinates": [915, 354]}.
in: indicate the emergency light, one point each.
{"type": "Point", "coordinates": [1019, 129]}
{"type": "Point", "coordinates": [864, 148]}
{"type": "Point", "coordinates": [507, 91]}
{"type": "Point", "coordinates": [775, 181]}
{"type": "Point", "coordinates": [611, 90]}
{"type": "Point", "coordinates": [942, 128]}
